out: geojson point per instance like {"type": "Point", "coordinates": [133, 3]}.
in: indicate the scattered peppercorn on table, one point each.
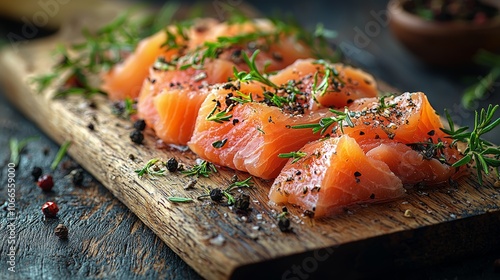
{"type": "Point", "coordinates": [105, 239]}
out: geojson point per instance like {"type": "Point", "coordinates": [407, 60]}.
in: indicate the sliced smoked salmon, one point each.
{"type": "Point", "coordinates": [251, 137]}
{"type": "Point", "coordinates": [334, 173]}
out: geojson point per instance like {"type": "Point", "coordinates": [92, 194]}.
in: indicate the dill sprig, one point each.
{"type": "Point", "coordinates": [325, 123]}
{"type": "Point", "coordinates": [254, 74]}
{"type": "Point", "coordinates": [204, 168]}
{"type": "Point", "coordinates": [483, 153]}
{"type": "Point", "coordinates": [295, 155]}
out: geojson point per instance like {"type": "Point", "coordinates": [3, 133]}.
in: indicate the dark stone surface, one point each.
{"type": "Point", "coordinates": [107, 240]}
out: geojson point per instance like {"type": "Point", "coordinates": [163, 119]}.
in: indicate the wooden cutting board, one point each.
{"type": "Point", "coordinates": [447, 222]}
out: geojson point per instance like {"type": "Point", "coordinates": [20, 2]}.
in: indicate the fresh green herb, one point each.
{"type": "Point", "coordinates": [384, 105]}
{"type": "Point", "coordinates": [219, 144]}
{"type": "Point", "coordinates": [101, 50]}
{"type": "Point", "coordinates": [243, 98]}
{"type": "Point", "coordinates": [483, 153]}
{"type": "Point", "coordinates": [204, 168]}
{"type": "Point", "coordinates": [150, 169]}
{"type": "Point", "coordinates": [325, 123]}
{"type": "Point", "coordinates": [60, 154]}
{"type": "Point", "coordinates": [220, 117]}
{"type": "Point", "coordinates": [129, 107]}
{"type": "Point", "coordinates": [163, 65]}
{"type": "Point", "coordinates": [273, 99]}
{"type": "Point", "coordinates": [322, 86]}
{"type": "Point", "coordinates": [295, 155]}
{"type": "Point", "coordinates": [241, 184]}
{"type": "Point", "coordinates": [254, 74]}
{"type": "Point", "coordinates": [259, 129]}
{"type": "Point", "coordinates": [177, 199]}
{"type": "Point", "coordinates": [227, 192]}
{"type": "Point", "coordinates": [16, 147]}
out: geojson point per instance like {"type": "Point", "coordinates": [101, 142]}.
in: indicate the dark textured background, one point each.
{"type": "Point", "coordinates": [107, 240]}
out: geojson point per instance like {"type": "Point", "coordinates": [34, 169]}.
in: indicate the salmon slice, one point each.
{"type": "Point", "coordinates": [345, 83]}
{"type": "Point", "coordinates": [173, 111]}
{"type": "Point", "coordinates": [253, 136]}
{"type": "Point", "coordinates": [411, 166]}
{"type": "Point", "coordinates": [407, 118]}
{"type": "Point", "coordinates": [170, 98]}
{"type": "Point", "coordinates": [125, 79]}
{"type": "Point", "coordinates": [334, 173]}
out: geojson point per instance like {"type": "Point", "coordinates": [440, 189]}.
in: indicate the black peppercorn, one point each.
{"type": "Point", "coordinates": [172, 165]}
{"type": "Point", "coordinates": [284, 223]}
{"type": "Point", "coordinates": [242, 202]}
{"type": "Point", "coordinates": [36, 172]}
{"type": "Point", "coordinates": [61, 231]}
{"type": "Point", "coordinates": [216, 195]}
{"type": "Point", "coordinates": [91, 126]}
{"type": "Point", "coordinates": [140, 125]}
{"type": "Point", "coordinates": [77, 177]}
{"type": "Point", "coordinates": [136, 136]}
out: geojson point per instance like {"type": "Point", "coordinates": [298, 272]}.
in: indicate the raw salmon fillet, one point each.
{"type": "Point", "coordinates": [399, 136]}
{"type": "Point", "coordinates": [125, 79]}
{"type": "Point", "coordinates": [253, 137]}
{"type": "Point", "coordinates": [335, 173]}
{"type": "Point", "coordinates": [170, 98]}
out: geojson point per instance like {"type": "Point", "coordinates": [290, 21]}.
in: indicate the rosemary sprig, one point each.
{"type": "Point", "coordinates": [220, 117]}
{"type": "Point", "coordinates": [60, 154]}
{"type": "Point", "coordinates": [227, 192]}
{"type": "Point", "coordinates": [16, 147]}
{"type": "Point", "coordinates": [148, 169]}
{"type": "Point", "coordinates": [384, 105]}
{"type": "Point", "coordinates": [204, 168]}
{"type": "Point", "coordinates": [295, 155]}
{"type": "Point", "coordinates": [325, 123]}
{"type": "Point", "coordinates": [483, 153]}
{"type": "Point", "coordinates": [254, 74]}
{"type": "Point", "coordinates": [322, 86]}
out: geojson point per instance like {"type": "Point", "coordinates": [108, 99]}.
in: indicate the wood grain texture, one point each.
{"type": "Point", "coordinates": [106, 240]}
{"type": "Point", "coordinates": [379, 233]}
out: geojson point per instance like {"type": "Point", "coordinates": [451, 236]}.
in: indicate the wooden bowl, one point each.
{"type": "Point", "coordinates": [443, 43]}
